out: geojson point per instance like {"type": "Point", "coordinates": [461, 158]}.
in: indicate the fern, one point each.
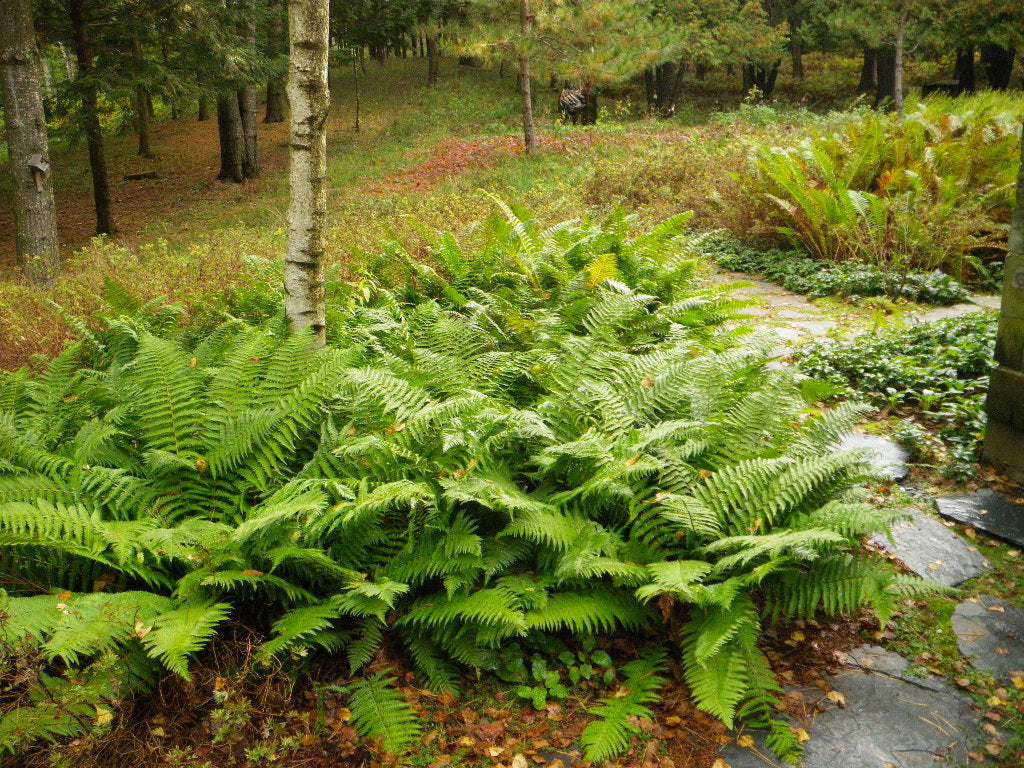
{"type": "Point", "coordinates": [609, 735]}
{"type": "Point", "coordinates": [380, 712]}
{"type": "Point", "coordinates": [179, 633]}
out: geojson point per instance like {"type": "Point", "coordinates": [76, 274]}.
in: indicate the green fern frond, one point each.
{"type": "Point", "coordinates": [380, 712]}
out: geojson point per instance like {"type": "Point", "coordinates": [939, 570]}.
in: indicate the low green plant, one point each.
{"type": "Point", "coordinates": [939, 371]}
{"type": "Point", "coordinates": [550, 435]}
{"type": "Point", "coordinates": [798, 272]}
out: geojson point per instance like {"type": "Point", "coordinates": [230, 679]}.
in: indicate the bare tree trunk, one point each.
{"type": "Point", "coordinates": [309, 98]}
{"type": "Point", "coordinates": [355, 78]}
{"type": "Point", "coordinates": [141, 107]}
{"type": "Point", "coordinates": [248, 106]}
{"type": "Point", "coordinates": [35, 215]}
{"type": "Point", "coordinates": [885, 66]}
{"type": "Point", "coordinates": [529, 134]}
{"type": "Point", "coordinates": [433, 56]}
{"type": "Point", "coordinates": [901, 36]}
{"type": "Point", "coordinates": [277, 99]}
{"type": "Point", "coordinates": [867, 71]}
{"type": "Point", "coordinates": [232, 142]}
{"type": "Point", "coordinates": [91, 119]}
{"type": "Point", "coordinates": [204, 108]}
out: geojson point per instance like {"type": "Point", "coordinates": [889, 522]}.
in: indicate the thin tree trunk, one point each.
{"type": "Point", "coordinates": [204, 108]}
{"type": "Point", "coordinates": [141, 107]}
{"type": "Point", "coordinates": [47, 77]}
{"type": "Point", "coordinates": [355, 78]}
{"type": "Point", "coordinates": [69, 62]}
{"type": "Point", "coordinates": [277, 99]}
{"type": "Point", "coordinates": [91, 119]}
{"type": "Point", "coordinates": [529, 134]}
{"type": "Point", "coordinates": [232, 142]}
{"type": "Point", "coordinates": [868, 81]}
{"type": "Point", "coordinates": [901, 36]}
{"type": "Point", "coordinates": [248, 106]}
{"type": "Point", "coordinates": [796, 46]}
{"type": "Point", "coordinates": [310, 98]}
{"type": "Point", "coordinates": [433, 56]}
{"type": "Point", "coordinates": [35, 215]}
{"type": "Point", "coordinates": [166, 56]}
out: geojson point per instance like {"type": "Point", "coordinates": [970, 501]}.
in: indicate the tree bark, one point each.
{"type": "Point", "coordinates": [796, 46]}
{"type": "Point", "coordinates": [885, 62]}
{"type": "Point", "coordinates": [529, 134]}
{"type": "Point", "coordinates": [91, 119]}
{"type": "Point", "coordinates": [965, 71]}
{"type": "Point", "coordinates": [248, 106]}
{"type": "Point", "coordinates": [998, 63]}
{"type": "Point", "coordinates": [141, 107]}
{"type": "Point", "coordinates": [868, 81]}
{"type": "Point", "coordinates": [35, 215]}
{"type": "Point", "coordinates": [204, 108]}
{"type": "Point", "coordinates": [433, 56]}
{"type": "Point", "coordinates": [901, 37]}
{"type": "Point", "coordinates": [232, 142]}
{"type": "Point", "coordinates": [309, 98]}
{"type": "Point", "coordinates": [277, 99]}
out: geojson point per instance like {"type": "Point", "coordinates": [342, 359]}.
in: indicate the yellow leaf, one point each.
{"type": "Point", "coordinates": [1018, 682]}
{"type": "Point", "coordinates": [220, 683]}
{"type": "Point", "coordinates": [103, 716]}
{"type": "Point", "coordinates": [344, 714]}
{"type": "Point", "coordinates": [745, 741]}
{"type": "Point", "coordinates": [201, 465]}
{"type": "Point", "coordinates": [801, 736]}
{"type": "Point", "coordinates": [798, 636]}
{"type": "Point", "coordinates": [632, 459]}
{"type": "Point", "coordinates": [192, 363]}
{"type": "Point", "coordinates": [141, 630]}
{"type": "Point", "coordinates": [647, 382]}
{"type": "Point", "coordinates": [673, 720]}
{"type": "Point", "coordinates": [994, 701]}
{"type": "Point", "coordinates": [720, 763]}
{"type": "Point", "coordinates": [836, 697]}
{"type": "Point", "coordinates": [252, 574]}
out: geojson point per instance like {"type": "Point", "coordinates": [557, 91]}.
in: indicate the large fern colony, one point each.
{"type": "Point", "coordinates": [553, 435]}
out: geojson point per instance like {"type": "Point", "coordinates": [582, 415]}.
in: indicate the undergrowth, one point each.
{"type": "Point", "coordinates": [553, 433]}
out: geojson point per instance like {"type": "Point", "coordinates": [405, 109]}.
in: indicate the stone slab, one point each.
{"type": "Point", "coordinates": [932, 551]}
{"type": "Point", "coordinates": [814, 327]}
{"type": "Point", "coordinates": [886, 456]}
{"type": "Point", "coordinates": [888, 718]}
{"type": "Point", "coordinates": [987, 301]}
{"type": "Point", "coordinates": [986, 510]}
{"type": "Point", "coordinates": [942, 313]}
{"type": "Point", "coordinates": [990, 633]}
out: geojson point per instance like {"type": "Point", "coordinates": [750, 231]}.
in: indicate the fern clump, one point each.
{"type": "Point", "coordinates": [548, 436]}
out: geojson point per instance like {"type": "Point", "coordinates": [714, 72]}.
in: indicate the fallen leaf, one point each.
{"type": "Point", "coordinates": [990, 729]}
{"type": "Point", "coordinates": [994, 701]}
{"type": "Point", "coordinates": [745, 741]}
{"type": "Point", "coordinates": [103, 716]}
{"type": "Point", "coordinates": [993, 749]}
{"type": "Point", "coordinates": [836, 697]}
{"type": "Point", "coordinates": [720, 763]}
{"type": "Point", "coordinates": [1018, 682]}
{"type": "Point", "coordinates": [798, 636]}
{"type": "Point", "coordinates": [520, 761]}
{"type": "Point", "coordinates": [141, 630]}
{"type": "Point", "coordinates": [801, 736]}
{"type": "Point", "coordinates": [673, 720]}
{"type": "Point", "coordinates": [963, 682]}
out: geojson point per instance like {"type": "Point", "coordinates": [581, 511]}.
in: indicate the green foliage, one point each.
{"type": "Point", "coordinates": [797, 272]}
{"type": "Point", "coordinates": [940, 370]}
{"type": "Point", "coordinates": [609, 734]}
{"type": "Point", "coordinates": [540, 436]}
{"type": "Point", "coordinates": [933, 191]}
{"type": "Point", "coordinates": [380, 712]}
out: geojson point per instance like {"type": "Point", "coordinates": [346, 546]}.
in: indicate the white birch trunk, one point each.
{"type": "Point", "coordinates": [309, 98]}
{"type": "Point", "coordinates": [901, 37]}
{"type": "Point", "coordinates": [529, 134]}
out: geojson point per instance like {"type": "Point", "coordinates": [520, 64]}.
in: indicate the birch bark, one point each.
{"type": "Point", "coordinates": [309, 98]}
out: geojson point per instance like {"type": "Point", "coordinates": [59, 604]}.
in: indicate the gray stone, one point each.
{"type": "Point", "coordinates": [814, 327]}
{"type": "Point", "coordinates": [989, 511]}
{"type": "Point", "coordinates": [931, 550]}
{"type": "Point", "coordinates": [886, 456]}
{"type": "Point", "coordinates": [792, 314]}
{"type": "Point", "coordinates": [990, 633]}
{"type": "Point", "coordinates": [989, 302]}
{"type": "Point", "coordinates": [888, 718]}
{"type": "Point", "coordinates": [943, 313]}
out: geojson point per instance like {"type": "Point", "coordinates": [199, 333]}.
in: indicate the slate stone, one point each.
{"type": "Point", "coordinates": [943, 313]}
{"type": "Point", "coordinates": [987, 301]}
{"type": "Point", "coordinates": [992, 639]}
{"type": "Point", "coordinates": [888, 718]}
{"type": "Point", "coordinates": [988, 511]}
{"type": "Point", "coordinates": [814, 327]}
{"type": "Point", "coordinates": [886, 456]}
{"type": "Point", "coordinates": [932, 551]}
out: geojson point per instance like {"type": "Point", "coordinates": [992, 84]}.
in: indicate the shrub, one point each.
{"type": "Point", "coordinates": [931, 192]}
{"type": "Point", "coordinates": [553, 438]}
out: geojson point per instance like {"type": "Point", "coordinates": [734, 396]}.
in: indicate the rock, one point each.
{"type": "Point", "coordinates": [990, 633]}
{"type": "Point", "coordinates": [813, 327]}
{"type": "Point", "coordinates": [989, 302]}
{"type": "Point", "coordinates": [943, 313]}
{"type": "Point", "coordinates": [932, 551]}
{"type": "Point", "coordinates": [886, 456]}
{"type": "Point", "coordinates": [988, 511]}
{"type": "Point", "coordinates": [889, 717]}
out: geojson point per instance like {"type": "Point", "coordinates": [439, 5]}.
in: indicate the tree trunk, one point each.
{"type": "Point", "coordinates": [166, 56]}
{"type": "Point", "coordinates": [433, 56]}
{"type": "Point", "coordinates": [91, 119]}
{"type": "Point", "coordinates": [901, 36]}
{"type": "Point", "coordinates": [529, 135]}
{"type": "Point", "coordinates": [1004, 434]}
{"type": "Point", "coordinates": [204, 108]}
{"type": "Point", "coordinates": [309, 97]}
{"type": "Point", "coordinates": [885, 62]}
{"type": "Point", "coordinates": [141, 107]}
{"type": "Point", "coordinates": [868, 81]}
{"type": "Point", "coordinates": [277, 99]}
{"type": "Point", "coordinates": [650, 89]}
{"type": "Point", "coordinates": [232, 142]}
{"type": "Point", "coordinates": [665, 75]}
{"type": "Point", "coordinates": [796, 46]}
{"type": "Point", "coordinates": [998, 63]}
{"type": "Point", "coordinates": [35, 215]}
{"type": "Point", "coordinates": [248, 106]}
{"type": "Point", "coordinates": [965, 71]}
